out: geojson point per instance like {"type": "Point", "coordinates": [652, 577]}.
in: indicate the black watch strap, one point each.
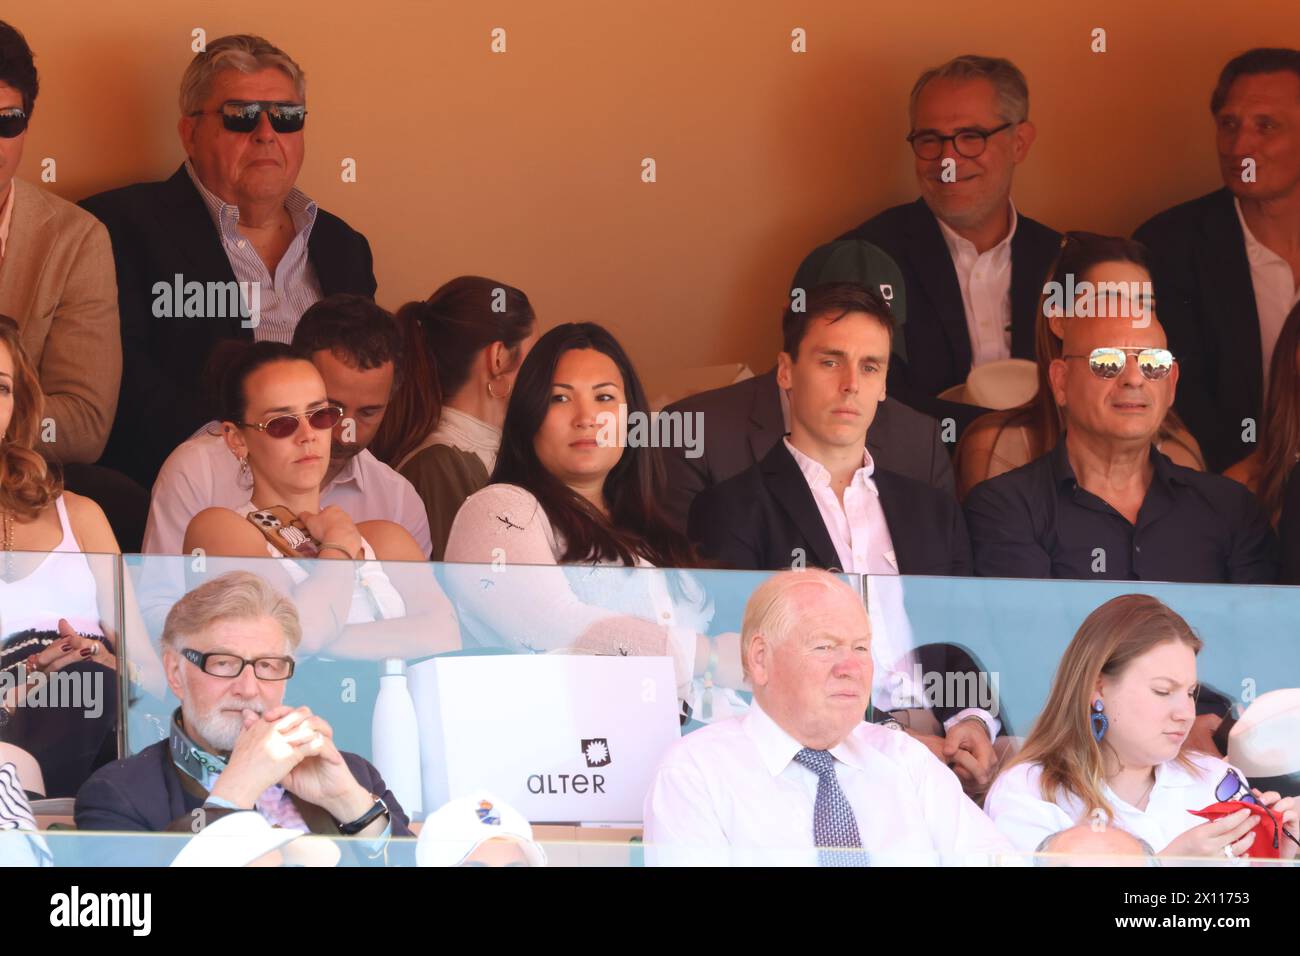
{"type": "Point", "coordinates": [360, 823]}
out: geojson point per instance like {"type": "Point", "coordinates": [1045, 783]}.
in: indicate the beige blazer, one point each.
{"type": "Point", "coordinates": [58, 282]}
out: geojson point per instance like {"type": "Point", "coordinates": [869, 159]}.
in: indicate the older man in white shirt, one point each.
{"type": "Point", "coordinates": [801, 779]}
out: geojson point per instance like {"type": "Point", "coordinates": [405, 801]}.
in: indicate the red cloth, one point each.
{"type": "Point", "coordinates": [1267, 845]}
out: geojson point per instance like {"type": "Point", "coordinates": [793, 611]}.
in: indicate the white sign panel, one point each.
{"type": "Point", "coordinates": [563, 738]}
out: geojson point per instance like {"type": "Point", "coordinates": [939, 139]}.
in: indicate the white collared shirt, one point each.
{"type": "Point", "coordinates": [6, 217]}
{"type": "Point", "coordinates": [860, 534]}
{"type": "Point", "coordinates": [1276, 290]}
{"type": "Point", "coordinates": [732, 793]}
{"type": "Point", "coordinates": [985, 281]}
{"type": "Point", "coordinates": [202, 473]}
{"type": "Point", "coordinates": [1019, 811]}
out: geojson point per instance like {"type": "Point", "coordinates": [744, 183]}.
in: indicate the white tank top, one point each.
{"type": "Point", "coordinates": [374, 598]}
{"type": "Point", "coordinates": [61, 586]}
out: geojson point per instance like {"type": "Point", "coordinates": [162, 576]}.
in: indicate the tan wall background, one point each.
{"type": "Point", "coordinates": [525, 166]}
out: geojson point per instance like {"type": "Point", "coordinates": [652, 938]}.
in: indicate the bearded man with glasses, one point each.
{"type": "Point", "coordinates": [971, 263]}
{"type": "Point", "coordinates": [1105, 503]}
{"type": "Point", "coordinates": [228, 649]}
{"type": "Point", "coordinates": [229, 218]}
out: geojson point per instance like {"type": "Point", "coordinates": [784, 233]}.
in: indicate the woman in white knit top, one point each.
{"type": "Point", "coordinates": [567, 491]}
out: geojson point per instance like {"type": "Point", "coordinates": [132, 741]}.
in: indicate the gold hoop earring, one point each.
{"type": "Point", "coordinates": [492, 393]}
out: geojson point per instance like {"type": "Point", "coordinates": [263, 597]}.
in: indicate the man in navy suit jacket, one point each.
{"type": "Point", "coordinates": [230, 217]}
{"type": "Point", "coordinates": [972, 265]}
{"type": "Point", "coordinates": [818, 500]}
{"type": "Point", "coordinates": [227, 653]}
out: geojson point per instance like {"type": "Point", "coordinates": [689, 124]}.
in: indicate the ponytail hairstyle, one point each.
{"type": "Point", "coordinates": [441, 337]}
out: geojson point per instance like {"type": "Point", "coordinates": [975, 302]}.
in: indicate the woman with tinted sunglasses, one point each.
{"type": "Point", "coordinates": [1000, 441]}
{"type": "Point", "coordinates": [277, 422]}
{"type": "Point", "coordinates": [1109, 745]}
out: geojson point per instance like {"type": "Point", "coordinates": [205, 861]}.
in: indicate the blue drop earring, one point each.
{"type": "Point", "coordinates": [1098, 720]}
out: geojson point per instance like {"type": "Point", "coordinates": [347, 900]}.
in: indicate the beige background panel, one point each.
{"type": "Point", "coordinates": [526, 166]}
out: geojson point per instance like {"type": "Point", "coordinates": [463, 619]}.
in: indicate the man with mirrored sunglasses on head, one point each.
{"type": "Point", "coordinates": [1105, 503]}
{"type": "Point", "coordinates": [232, 221]}
{"type": "Point", "coordinates": [235, 745]}
{"type": "Point", "coordinates": [56, 280]}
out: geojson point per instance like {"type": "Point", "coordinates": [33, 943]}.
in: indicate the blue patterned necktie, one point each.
{"type": "Point", "coordinates": [834, 824]}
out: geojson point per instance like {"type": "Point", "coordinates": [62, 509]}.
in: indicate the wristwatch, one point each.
{"type": "Point", "coordinates": [360, 823]}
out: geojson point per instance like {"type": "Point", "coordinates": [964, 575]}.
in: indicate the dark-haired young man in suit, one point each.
{"type": "Point", "coordinates": [974, 267]}
{"type": "Point", "coordinates": [817, 498]}
{"type": "Point", "coordinates": [229, 226]}
{"type": "Point", "coordinates": [1226, 266]}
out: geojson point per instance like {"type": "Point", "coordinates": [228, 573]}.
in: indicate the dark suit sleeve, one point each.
{"type": "Point", "coordinates": [1289, 527]}
{"type": "Point", "coordinates": [941, 475]}
{"type": "Point", "coordinates": [1172, 272]}
{"type": "Point", "coordinates": [719, 532]}
{"type": "Point", "coordinates": [368, 776]}
{"type": "Point", "coordinates": [963, 564]}
{"type": "Point", "coordinates": [1002, 536]}
{"type": "Point", "coordinates": [107, 802]}
{"type": "Point", "coordinates": [687, 477]}
{"type": "Point", "coordinates": [1254, 555]}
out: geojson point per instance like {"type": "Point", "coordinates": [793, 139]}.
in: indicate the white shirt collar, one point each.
{"type": "Point", "coordinates": [776, 748]}
{"type": "Point", "coordinates": [817, 475]}
{"type": "Point", "coordinates": [1256, 251]}
{"type": "Point", "coordinates": [958, 245]}
{"type": "Point", "coordinates": [352, 472]}
{"type": "Point", "coordinates": [225, 216]}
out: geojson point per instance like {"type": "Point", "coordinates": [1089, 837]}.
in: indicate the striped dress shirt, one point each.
{"type": "Point", "coordinates": [294, 287]}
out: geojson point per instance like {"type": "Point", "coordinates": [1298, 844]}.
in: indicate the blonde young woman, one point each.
{"type": "Point", "coordinates": [1108, 745]}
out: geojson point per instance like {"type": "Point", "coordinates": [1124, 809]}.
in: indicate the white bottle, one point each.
{"type": "Point", "coordinates": [395, 738]}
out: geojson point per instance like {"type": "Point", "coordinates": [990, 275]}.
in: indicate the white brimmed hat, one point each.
{"type": "Point", "coordinates": [461, 826]}
{"type": "Point", "coordinates": [1265, 743]}
{"type": "Point", "coordinates": [1006, 383]}
{"type": "Point", "coordinates": [235, 839]}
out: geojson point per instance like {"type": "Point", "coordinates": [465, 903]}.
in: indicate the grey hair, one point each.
{"type": "Point", "coordinates": [235, 595]}
{"type": "Point", "coordinates": [771, 612]}
{"type": "Point", "coordinates": [243, 52]}
{"type": "Point", "coordinates": [1007, 80]}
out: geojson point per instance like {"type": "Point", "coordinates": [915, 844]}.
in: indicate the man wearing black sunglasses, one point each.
{"type": "Point", "coordinates": [230, 218]}
{"type": "Point", "coordinates": [973, 266]}
{"type": "Point", "coordinates": [57, 283]}
{"type": "Point", "coordinates": [1105, 503]}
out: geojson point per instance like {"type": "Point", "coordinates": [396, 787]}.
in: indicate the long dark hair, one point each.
{"type": "Point", "coordinates": [636, 526]}
{"type": "Point", "coordinates": [441, 335]}
{"type": "Point", "coordinates": [1280, 443]}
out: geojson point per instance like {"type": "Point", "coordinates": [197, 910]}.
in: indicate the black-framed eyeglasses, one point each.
{"type": "Point", "coordinates": [1109, 361]}
{"type": "Point", "coordinates": [231, 666]}
{"type": "Point", "coordinates": [242, 116]}
{"type": "Point", "coordinates": [969, 142]}
{"type": "Point", "coordinates": [283, 426]}
{"type": "Point", "coordinates": [12, 122]}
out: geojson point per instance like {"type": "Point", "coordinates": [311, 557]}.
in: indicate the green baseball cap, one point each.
{"type": "Point", "coordinates": [853, 260]}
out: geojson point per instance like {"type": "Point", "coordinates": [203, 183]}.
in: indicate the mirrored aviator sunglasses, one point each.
{"type": "Point", "coordinates": [1107, 363]}
{"type": "Point", "coordinates": [242, 117]}
{"type": "Point", "coordinates": [12, 123]}
{"type": "Point", "coordinates": [283, 426]}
